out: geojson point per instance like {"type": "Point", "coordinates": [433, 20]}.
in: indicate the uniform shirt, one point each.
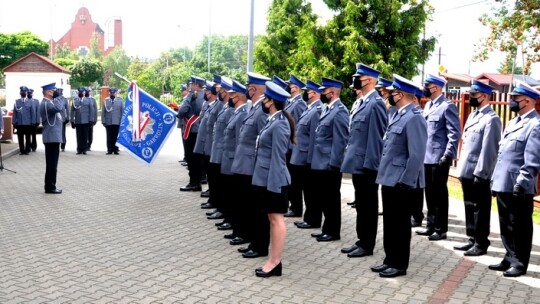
{"type": "Point", "coordinates": [231, 139]}
{"type": "Point", "coordinates": [112, 111]}
{"type": "Point", "coordinates": [302, 153]}
{"type": "Point", "coordinates": [51, 117]}
{"type": "Point", "coordinates": [24, 112]}
{"type": "Point", "coordinates": [219, 133]}
{"type": "Point", "coordinates": [443, 129]}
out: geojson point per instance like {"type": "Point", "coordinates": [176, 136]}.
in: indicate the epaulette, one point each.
{"type": "Point", "coordinates": [341, 106]}
{"type": "Point", "coordinates": [416, 110]}
{"type": "Point", "coordinates": [319, 107]}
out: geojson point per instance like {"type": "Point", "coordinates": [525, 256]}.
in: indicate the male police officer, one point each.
{"type": "Point", "coordinates": [81, 119]}
{"type": "Point", "coordinates": [331, 138]}
{"type": "Point", "coordinates": [481, 136]}
{"type": "Point", "coordinates": [93, 116]}
{"type": "Point", "coordinates": [184, 91]}
{"type": "Point", "coordinates": [417, 194]}
{"type": "Point", "coordinates": [37, 121]}
{"type": "Point", "coordinates": [362, 155]}
{"type": "Point", "coordinates": [515, 179]}
{"type": "Point", "coordinates": [65, 116]}
{"type": "Point", "coordinates": [443, 137]}
{"type": "Point", "coordinates": [111, 117]}
{"type": "Point", "coordinates": [24, 117]}
{"type": "Point", "coordinates": [50, 109]}
{"type": "Point", "coordinates": [400, 170]}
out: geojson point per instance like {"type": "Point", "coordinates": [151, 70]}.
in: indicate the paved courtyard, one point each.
{"type": "Point", "coordinates": [121, 232]}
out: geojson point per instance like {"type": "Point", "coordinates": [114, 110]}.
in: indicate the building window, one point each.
{"type": "Point", "coordinates": [83, 50]}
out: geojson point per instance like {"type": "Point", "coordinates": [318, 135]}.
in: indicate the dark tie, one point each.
{"type": "Point", "coordinates": [518, 119]}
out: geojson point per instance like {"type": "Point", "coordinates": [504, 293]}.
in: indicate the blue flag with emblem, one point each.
{"type": "Point", "coordinates": [146, 125]}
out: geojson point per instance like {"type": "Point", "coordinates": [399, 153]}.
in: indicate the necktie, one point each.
{"type": "Point", "coordinates": [518, 119]}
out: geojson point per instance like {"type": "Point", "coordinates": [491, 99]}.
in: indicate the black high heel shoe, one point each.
{"type": "Point", "coordinates": [274, 272]}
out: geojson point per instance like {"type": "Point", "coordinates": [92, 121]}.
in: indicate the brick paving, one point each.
{"type": "Point", "coordinates": [122, 233]}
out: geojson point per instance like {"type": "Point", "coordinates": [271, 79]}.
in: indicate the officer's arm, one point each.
{"type": "Point", "coordinates": [340, 137]}
{"type": "Point", "coordinates": [313, 124]}
{"type": "Point", "coordinates": [416, 132]}
{"type": "Point", "coordinates": [490, 146]}
{"type": "Point", "coordinates": [531, 165]}
{"type": "Point", "coordinates": [280, 145]}
{"type": "Point", "coordinates": [453, 130]}
{"type": "Point", "coordinates": [378, 123]}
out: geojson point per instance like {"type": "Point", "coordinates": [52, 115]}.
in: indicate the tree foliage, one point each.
{"type": "Point", "coordinates": [15, 46]}
{"type": "Point", "coordinates": [86, 72]}
{"type": "Point", "coordinates": [95, 50]}
{"type": "Point", "coordinates": [116, 61]}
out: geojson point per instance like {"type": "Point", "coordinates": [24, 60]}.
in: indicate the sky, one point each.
{"type": "Point", "coordinates": [153, 27]}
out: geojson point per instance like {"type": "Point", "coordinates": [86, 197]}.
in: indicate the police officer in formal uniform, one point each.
{"type": "Point", "coordinates": [443, 136]}
{"type": "Point", "coordinates": [190, 113]}
{"type": "Point", "coordinates": [400, 170]}
{"type": "Point", "coordinates": [111, 117]}
{"type": "Point", "coordinates": [417, 194]}
{"type": "Point", "coordinates": [302, 153]}
{"type": "Point", "coordinates": [81, 119]}
{"type": "Point", "coordinates": [24, 118]}
{"type": "Point", "coordinates": [1, 124]}
{"type": "Point", "coordinates": [184, 91]}
{"type": "Point", "coordinates": [381, 86]}
{"type": "Point", "coordinates": [244, 163]}
{"type": "Point", "coordinates": [296, 106]}
{"type": "Point", "coordinates": [93, 116]}
{"type": "Point", "coordinates": [37, 121]}
{"type": "Point", "coordinates": [237, 101]}
{"type": "Point", "coordinates": [480, 141]}
{"type": "Point", "coordinates": [65, 116]}
{"type": "Point", "coordinates": [271, 177]}
{"type": "Point", "coordinates": [331, 138]}
{"type": "Point", "coordinates": [50, 111]}
{"type": "Point", "coordinates": [280, 82]}
{"type": "Point", "coordinates": [515, 180]}
{"type": "Point", "coordinates": [367, 127]}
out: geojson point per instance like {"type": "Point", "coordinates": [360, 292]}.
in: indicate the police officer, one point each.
{"type": "Point", "coordinates": [271, 177]}
{"type": "Point", "coordinates": [481, 136]}
{"type": "Point", "coordinates": [443, 136]}
{"type": "Point", "coordinates": [302, 153]}
{"type": "Point", "coordinates": [515, 179]}
{"type": "Point", "coordinates": [280, 82]}
{"type": "Point", "coordinates": [37, 121]}
{"type": "Point", "coordinates": [93, 116]}
{"type": "Point", "coordinates": [111, 117]}
{"type": "Point", "coordinates": [65, 116]}
{"type": "Point", "coordinates": [184, 91]}
{"type": "Point", "coordinates": [367, 126]}
{"type": "Point", "coordinates": [295, 106]}
{"type": "Point", "coordinates": [331, 137]}
{"type": "Point", "coordinates": [417, 194]}
{"type": "Point", "coordinates": [50, 110]}
{"type": "Point", "coordinates": [400, 170]}
{"type": "Point", "coordinates": [190, 113]}
{"type": "Point", "coordinates": [1, 125]}
{"type": "Point", "coordinates": [81, 119]}
{"type": "Point", "coordinates": [381, 86]}
{"type": "Point", "coordinates": [24, 118]}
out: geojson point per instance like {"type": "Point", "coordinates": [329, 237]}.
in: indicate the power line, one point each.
{"type": "Point", "coordinates": [459, 7]}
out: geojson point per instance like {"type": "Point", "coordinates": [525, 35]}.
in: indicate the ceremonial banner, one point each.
{"type": "Point", "coordinates": [146, 125]}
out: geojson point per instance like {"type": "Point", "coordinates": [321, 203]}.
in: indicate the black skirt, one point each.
{"type": "Point", "coordinates": [272, 202]}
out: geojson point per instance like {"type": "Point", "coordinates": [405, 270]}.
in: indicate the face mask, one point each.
{"type": "Point", "coordinates": [247, 95]}
{"type": "Point", "coordinates": [205, 97]}
{"type": "Point", "coordinates": [288, 89]}
{"type": "Point", "coordinates": [29, 95]}
{"type": "Point", "coordinates": [325, 98]}
{"type": "Point", "coordinates": [357, 83]}
{"type": "Point", "coordinates": [230, 103]}
{"type": "Point", "coordinates": [427, 92]}
{"type": "Point", "coordinates": [113, 97]}
{"type": "Point", "coordinates": [23, 95]}
{"type": "Point", "coordinates": [55, 94]}
{"type": "Point", "coordinates": [474, 102]}
{"type": "Point", "coordinates": [514, 106]}
{"type": "Point", "coordinates": [265, 109]}
{"type": "Point", "coordinates": [305, 96]}
{"type": "Point", "coordinates": [86, 94]}
{"type": "Point", "coordinates": [81, 95]}
{"type": "Point", "coordinates": [220, 96]}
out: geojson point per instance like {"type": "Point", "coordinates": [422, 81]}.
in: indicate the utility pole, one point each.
{"type": "Point", "coordinates": [209, 32]}
{"type": "Point", "coordinates": [249, 67]}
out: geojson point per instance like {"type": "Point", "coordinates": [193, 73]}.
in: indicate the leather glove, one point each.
{"type": "Point", "coordinates": [518, 190]}
{"type": "Point", "coordinates": [403, 187]}
{"type": "Point", "coordinates": [445, 161]}
{"type": "Point", "coordinates": [480, 181]}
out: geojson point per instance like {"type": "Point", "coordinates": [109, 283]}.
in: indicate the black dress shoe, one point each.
{"type": "Point", "coordinates": [392, 272]}
{"type": "Point", "coordinates": [207, 206]}
{"type": "Point", "coordinates": [464, 247]}
{"type": "Point", "coordinates": [229, 236]}
{"type": "Point", "coordinates": [304, 225]}
{"type": "Point", "coordinates": [298, 222]}
{"type": "Point", "coordinates": [251, 254]}
{"type": "Point", "coordinates": [327, 238]}
{"type": "Point", "coordinates": [243, 249]}
{"type": "Point", "coordinates": [54, 191]}
{"type": "Point", "coordinates": [290, 213]}
{"type": "Point", "coordinates": [225, 226]}
{"type": "Point", "coordinates": [379, 268]}
{"type": "Point", "coordinates": [437, 236]}
{"type": "Point", "coordinates": [205, 193]}
{"type": "Point", "coordinates": [238, 241]}
{"type": "Point", "coordinates": [502, 266]}
{"type": "Point", "coordinates": [426, 232]}
{"type": "Point", "coordinates": [116, 153]}
{"type": "Point", "coordinates": [204, 180]}
{"type": "Point", "coordinates": [351, 203]}
{"type": "Point", "coordinates": [513, 272]}
{"type": "Point", "coordinates": [84, 153]}
{"type": "Point", "coordinates": [108, 153]}
{"type": "Point", "coordinates": [349, 249]}
{"type": "Point", "coordinates": [317, 234]}
{"type": "Point", "coordinates": [183, 163]}
{"type": "Point", "coordinates": [475, 251]}
{"type": "Point", "coordinates": [216, 216]}
{"type": "Point", "coordinates": [78, 153]}
{"type": "Point", "coordinates": [358, 253]}
{"type": "Point", "coordinates": [274, 272]}
{"type": "Point", "coordinates": [208, 213]}
{"type": "Point", "coordinates": [191, 187]}
{"type": "Point", "coordinates": [220, 223]}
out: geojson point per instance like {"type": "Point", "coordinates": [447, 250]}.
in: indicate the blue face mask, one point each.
{"type": "Point", "coordinates": [514, 105]}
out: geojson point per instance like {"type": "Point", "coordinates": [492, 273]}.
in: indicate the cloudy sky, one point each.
{"type": "Point", "coordinates": [152, 27]}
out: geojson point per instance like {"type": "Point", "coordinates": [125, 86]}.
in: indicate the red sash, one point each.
{"type": "Point", "coordinates": [188, 123]}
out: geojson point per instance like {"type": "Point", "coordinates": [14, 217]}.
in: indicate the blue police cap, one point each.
{"type": "Point", "coordinates": [255, 78]}
{"type": "Point", "coordinates": [59, 90]}
{"type": "Point", "coordinates": [183, 87]}
{"type": "Point", "coordinates": [113, 90]}
{"type": "Point", "coordinates": [23, 89]}
{"type": "Point", "coordinates": [280, 82]}
{"type": "Point", "coordinates": [403, 84]}
{"type": "Point", "coordinates": [523, 88]}
{"type": "Point", "coordinates": [478, 86]}
{"type": "Point", "coordinates": [226, 83]}
{"type": "Point", "coordinates": [362, 69]}
{"type": "Point", "coordinates": [419, 92]}
{"type": "Point", "coordinates": [296, 81]}
{"type": "Point", "coordinates": [208, 85]}
{"type": "Point", "coordinates": [188, 82]}
{"type": "Point", "coordinates": [330, 83]}
{"type": "Point", "coordinates": [436, 80]}
{"type": "Point", "coordinates": [276, 92]}
{"type": "Point", "coordinates": [217, 78]}
{"type": "Point", "coordinates": [383, 83]}
{"type": "Point", "coordinates": [310, 85]}
{"type": "Point", "coordinates": [87, 89]}
{"type": "Point", "coordinates": [30, 91]}
{"type": "Point", "coordinates": [81, 89]}
{"type": "Point", "coordinates": [50, 86]}
{"type": "Point", "coordinates": [198, 80]}
{"type": "Point", "coordinates": [237, 87]}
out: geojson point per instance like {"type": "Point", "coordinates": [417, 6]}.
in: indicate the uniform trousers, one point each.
{"type": "Point", "coordinates": [210, 175]}
{"type": "Point", "coordinates": [437, 197]}
{"type": "Point", "coordinates": [90, 135]}
{"type": "Point", "coordinates": [33, 132]}
{"type": "Point", "coordinates": [52, 153]}
{"type": "Point", "coordinates": [298, 180]}
{"type": "Point", "coordinates": [515, 220]}
{"type": "Point", "coordinates": [244, 207]}
{"type": "Point", "coordinates": [216, 186]}
{"type": "Point", "coordinates": [313, 213]}
{"type": "Point", "coordinates": [24, 134]}
{"type": "Point", "coordinates": [477, 200]}
{"type": "Point", "coordinates": [396, 227]}
{"type": "Point", "coordinates": [366, 196]}
{"type": "Point", "coordinates": [417, 204]}
{"type": "Point", "coordinates": [326, 191]}
{"type": "Point", "coordinates": [112, 135]}
{"type": "Point", "coordinates": [63, 144]}
{"type": "Point", "coordinates": [229, 195]}
{"type": "Point", "coordinates": [81, 130]}
{"type": "Point", "coordinates": [194, 160]}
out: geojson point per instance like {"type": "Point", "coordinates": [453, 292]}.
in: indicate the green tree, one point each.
{"type": "Point", "coordinates": [15, 46]}
{"type": "Point", "coordinates": [86, 72]}
{"type": "Point", "coordinates": [95, 50]}
{"type": "Point", "coordinates": [515, 27]}
{"type": "Point", "coordinates": [507, 65]}
{"type": "Point", "coordinates": [116, 61]}
{"type": "Point", "coordinates": [65, 62]}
